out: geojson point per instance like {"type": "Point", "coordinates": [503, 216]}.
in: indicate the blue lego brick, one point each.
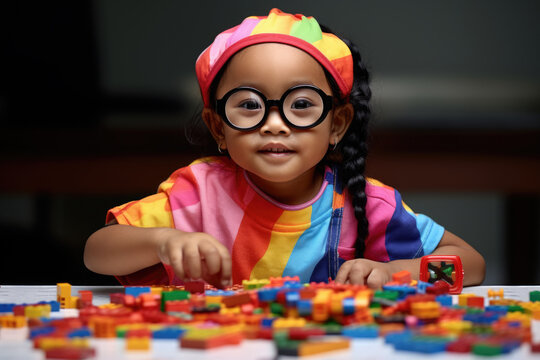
{"type": "Point", "coordinates": [421, 286]}
{"type": "Point", "coordinates": [42, 330]}
{"type": "Point", "coordinates": [292, 285]}
{"type": "Point", "coordinates": [482, 318]}
{"type": "Point", "coordinates": [219, 292]}
{"type": "Point", "coordinates": [396, 337]}
{"type": "Point", "coordinates": [348, 306]}
{"type": "Point", "coordinates": [422, 346]}
{"type": "Point", "coordinates": [168, 333]}
{"type": "Point", "coordinates": [6, 308]}
{"type": "Point", "coordinates": [81, 332]}
{"type": "Point", "coordinates": [499, 309]}
{"type": "Point", "coordinates": [268, 294]}
{"type": "Point", "coordinates": [136, 290]}
{"type": "Point", "coordinates": [291, 298]}
{"type": "Point", "coordinates": [304, 307]}
{"type": "Point", "coordinates": [267, 322]}
{"type": "Point", "coordinates": [368, 331]}
{"type": "Point", "coordinates": [510, 345]}
{"type": "Point", "coordinates": [444, 300]}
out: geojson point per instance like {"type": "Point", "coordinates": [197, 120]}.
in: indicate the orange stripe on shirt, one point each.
{"type": "Point", "coordinates": [253, 238]}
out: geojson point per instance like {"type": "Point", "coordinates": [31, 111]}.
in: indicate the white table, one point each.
{"type": "Point", "coordinates": [249, 349]}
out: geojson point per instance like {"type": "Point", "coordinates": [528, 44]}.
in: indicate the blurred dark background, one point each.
{"type": "Point", "coordinates": [95, 95]}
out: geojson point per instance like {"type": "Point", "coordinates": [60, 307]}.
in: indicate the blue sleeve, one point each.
{"type": "Point", "coordinates": [430, 233]}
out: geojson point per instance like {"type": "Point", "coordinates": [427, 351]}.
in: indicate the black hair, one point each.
{"type": "Point", "coordinates": [353, 148]}
{"type": "Point", "coordinates": [349, 156]}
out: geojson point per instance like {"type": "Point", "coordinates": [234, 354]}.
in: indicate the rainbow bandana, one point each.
{"type": "Point", "coordinates": [278, 27]}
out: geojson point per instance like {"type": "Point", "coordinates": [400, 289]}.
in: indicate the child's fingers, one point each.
{"type": "Point", "coordinates": [343, 273]}
{"type": "Point", "coordinates": [175, 259]}
{"type": "Point", "coordinates": [226, 266]}
{"type": "Point", "coordinates": [376, 279]}
{"type": "Point", "coordinates": [211, 257]}
{"type": "Point", "coordinates": [192, 261]}
{"type": "Point", "coordinates": [359, 272]}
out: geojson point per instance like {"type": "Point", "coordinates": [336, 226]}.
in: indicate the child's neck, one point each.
{"type": "Point", "coordinates": [295, 192]}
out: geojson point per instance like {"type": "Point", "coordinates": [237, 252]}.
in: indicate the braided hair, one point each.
{"type": "Point", "coordinates": [353, 148]}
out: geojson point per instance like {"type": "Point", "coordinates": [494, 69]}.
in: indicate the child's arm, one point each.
{"type": "Point", "coordinates": [123, 249]}
{"type": "Point", "coordinates": [375, 274]}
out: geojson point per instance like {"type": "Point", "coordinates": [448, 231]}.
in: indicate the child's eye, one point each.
{"type": "Point", "coordinates": [250, 104]}
{"type": "Point", "coordinates": [300, 104]}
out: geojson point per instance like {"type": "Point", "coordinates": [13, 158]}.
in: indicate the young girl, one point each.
{"type": "Point", "coordinates": [288, 106]}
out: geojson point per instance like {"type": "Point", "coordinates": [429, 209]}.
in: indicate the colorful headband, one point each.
{"type": "Point", "coordinates": [279, 27]}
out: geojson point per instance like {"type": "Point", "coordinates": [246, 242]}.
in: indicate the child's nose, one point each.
{"type": "Point", "coordinates": [274, 124]}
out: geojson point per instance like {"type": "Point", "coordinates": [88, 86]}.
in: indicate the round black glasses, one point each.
{"type": "Point", "coordinates": [301, 107]}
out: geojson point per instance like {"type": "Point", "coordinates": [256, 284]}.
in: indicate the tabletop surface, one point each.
{"type": "Point", "coordinates": [11, 348]}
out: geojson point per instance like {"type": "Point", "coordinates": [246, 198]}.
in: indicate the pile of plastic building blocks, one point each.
{"type": "Point", "coordinates": [300, 319]}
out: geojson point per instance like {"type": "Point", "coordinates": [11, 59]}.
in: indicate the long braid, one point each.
{"type": "Point", "coordinates": [354, 146]}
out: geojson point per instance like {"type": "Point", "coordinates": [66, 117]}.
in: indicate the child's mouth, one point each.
{"type": "Point", "coordinates": [276, 151]}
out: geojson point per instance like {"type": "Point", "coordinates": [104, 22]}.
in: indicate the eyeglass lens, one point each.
{"type": "Point", "coordinates": [302, 107]}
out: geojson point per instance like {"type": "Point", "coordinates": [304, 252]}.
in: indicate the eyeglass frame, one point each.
{"type": "Point", "coordinates": [328, 103]}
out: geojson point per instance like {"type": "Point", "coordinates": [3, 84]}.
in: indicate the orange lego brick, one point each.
{"type": "Point", "coordinates": [322, 345]}
{"type": "Point", "coordinates": [402, 277]}
{"type": "Point", "coordinates": [236, 300]}
{"type": "Point", "coordinates": [475, 301]}
{"type": "Point", "coordinates": [211, 342]}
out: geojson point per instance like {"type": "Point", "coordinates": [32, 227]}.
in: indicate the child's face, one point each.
{"type": "Point", "coordinates": [276, 155]}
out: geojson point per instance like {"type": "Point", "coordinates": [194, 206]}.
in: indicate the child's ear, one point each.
{"type": "Point", "coordinates": [343, 116]}
{"type": "Point", "coordinates": [214, 124]}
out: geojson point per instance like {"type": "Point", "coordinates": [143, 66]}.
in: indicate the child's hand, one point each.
{"type": "Point", "coordinates": [196, 256]}
{"type": "Point", "coordinates": [365, 272]}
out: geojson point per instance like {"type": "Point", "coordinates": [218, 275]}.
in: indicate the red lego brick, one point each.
{"type": "Point", "coordinates": [475, 301]}
{"type": "Point", "coordinates": [18, 310]}
{"type": "Point", "coordinates": [459, 346]}
{"type": "Point", "coordinates": [304, 333]}
{"type": "Point", "coordinates": [139, 333]}
{"type": "Point", "coordinates": [236, 300]}
{"type": "Point", "coordinates": [178, 306]}
{"type": "Point", "coordinates": [70, 352]}
{"type": "Point", "coordinates": [440, 287]}
{"type": "Point", "coordinates": [195, 287]}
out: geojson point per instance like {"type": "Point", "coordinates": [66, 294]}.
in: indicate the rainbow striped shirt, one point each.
{"type": "Point", "coordinates": [267, 238]}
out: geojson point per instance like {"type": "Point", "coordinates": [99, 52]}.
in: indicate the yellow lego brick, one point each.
{"type": "Point", "coordinates": [232, 310]}
{"type": "Point", "coordinates": [524, 319]}
{"type": "Point", "coordinates": [456, 327]}
{"type": "Point", "coordinates": [462, 299]}
{"type": "Point", "coordinates": [531, 307]}
{"type": "Point", "coordinates": [46, 343]}
{"type": "Point", "coordinates": [63, 294]}
{"type": "Point", "coordinates": [37, 311]}
{"type": "Point", "coordinates": [284, 323]}
{"type": "Point", "coordinates": [213, 300]}
{"type": "Point", "coordinates": [110, 306]}
{"type": "Point", "coordinates": [72, 304]}
{"type": "Point", "coordinates": [138, 343]}
{"type": "Point", "coordinates": [425, 309]}
{"type": "Point", "coordinates": [12, 321]}
{"type": "Point", "coordinates": [361, 301]}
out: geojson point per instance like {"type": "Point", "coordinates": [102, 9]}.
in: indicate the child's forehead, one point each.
{"type": "Point", "coordinates": [272, 68]}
